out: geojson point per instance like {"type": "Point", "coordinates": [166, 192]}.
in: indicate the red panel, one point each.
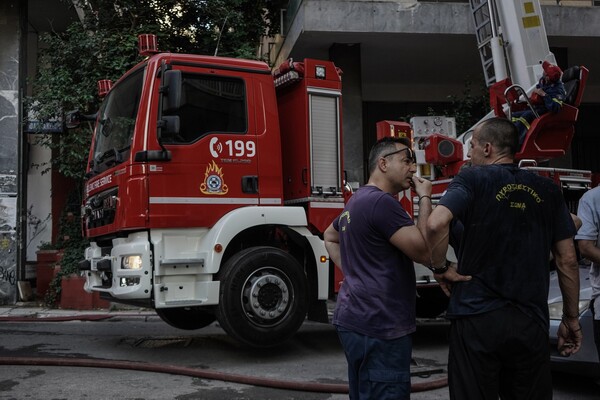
{"type": "Point", "coordinates": [442, 150]}
{"type": "Point", "coordinates": [293, 109]}
{"type": "Point", "coordinates": [320, 215]}
{"type": "Point", "coordinates": [549, 135]}
{"type": "Point", "coordinates": [294, 118]}
{"type": "Point", "coordinates": [497, 99]}
{"type": "Point", "coordinates": [393, 129]}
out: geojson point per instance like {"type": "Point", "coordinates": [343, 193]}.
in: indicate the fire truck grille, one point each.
{"type": "Point", "coordinates": [100, 209]}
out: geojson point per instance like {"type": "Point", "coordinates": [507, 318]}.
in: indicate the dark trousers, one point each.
{"type": "Point", "coordinates": [523, 120]}
{"type": "Point", "coordinates": [502, 353]}
{"type": "Point", "coordinates": [596, 329]}
{"type": "Point", "coordinates": [377, 369]}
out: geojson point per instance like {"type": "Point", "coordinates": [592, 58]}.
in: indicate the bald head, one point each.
{"type": "Point", "coordinates": [500, 133]}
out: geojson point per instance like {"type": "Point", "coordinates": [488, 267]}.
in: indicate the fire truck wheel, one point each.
{"type": "Point", "coordinates": [264, 296]}
{"type": "Point", "coordinates": [188, 318]}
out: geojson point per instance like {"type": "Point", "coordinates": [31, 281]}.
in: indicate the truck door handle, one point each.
{"type": "Point", "coordinates": [250, 184]}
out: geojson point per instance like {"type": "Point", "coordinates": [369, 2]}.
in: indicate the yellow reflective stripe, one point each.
{"type": "Point", "coordinates": [554, 99]}
{"type": "Point", "coordinates": [521, 120]}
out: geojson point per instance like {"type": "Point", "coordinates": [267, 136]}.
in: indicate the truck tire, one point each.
{"type": "Point", "coordinates": [188, 318]}
{"type": "Point", "coordinates": [263, 298]}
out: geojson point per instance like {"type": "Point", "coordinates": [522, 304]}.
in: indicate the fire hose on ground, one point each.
{"type": "Point", "coordinates": [185, 371]}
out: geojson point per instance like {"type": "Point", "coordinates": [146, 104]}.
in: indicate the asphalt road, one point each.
{"type": "Point", "coordinates": [312, 358]}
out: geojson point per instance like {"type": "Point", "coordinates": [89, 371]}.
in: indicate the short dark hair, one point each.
{"type": "Point", "coordinates": [501, 133]}
{"type": "Point", "coordinates": [382, 146]}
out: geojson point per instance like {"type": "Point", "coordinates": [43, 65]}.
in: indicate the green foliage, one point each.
{"type": "Point", "coordinates": [68, 265]}
{"type": "Point", "coordinates": [469, 107]}
{"type": "Point", "coordinates": [47, 246]}
{"type": "Point", "coordinates": [53, 293]}
{"type": "Point", "coordinates": [72, 244]}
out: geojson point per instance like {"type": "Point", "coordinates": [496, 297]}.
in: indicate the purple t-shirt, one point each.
{"type": "Point", "coordinates": [377, 297]}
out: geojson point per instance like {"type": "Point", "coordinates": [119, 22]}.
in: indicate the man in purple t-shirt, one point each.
{"type": "Point", "coordinates": [374, 241]}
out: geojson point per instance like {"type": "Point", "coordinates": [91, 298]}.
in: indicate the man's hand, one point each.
{"type": "Point", "coordinates": [569, 336]}
{"type": "Point", "coordinates": [449, 277]}
{"type": "Point", "coordinates": [422, 186]}
{"type": "Point", "coordinates": [539, 92]}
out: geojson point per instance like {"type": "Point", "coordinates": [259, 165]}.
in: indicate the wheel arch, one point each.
{"type": "Point", "coordinates": [286, 238]}
{"type": "Point", "coordinates": [262, 226]}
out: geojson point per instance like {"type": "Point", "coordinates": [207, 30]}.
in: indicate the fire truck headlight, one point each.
{"type": "Point", "coordinates": [320, 72]}
{"type": "Point", "coordinates": [131, 262]}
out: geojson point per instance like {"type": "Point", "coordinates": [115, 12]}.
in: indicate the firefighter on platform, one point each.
{"type": "Point", "coordinates": [548, 96]}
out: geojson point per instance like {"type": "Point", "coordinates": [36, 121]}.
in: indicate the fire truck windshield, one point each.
{"type": "Point", "coordinates": [116, 123]}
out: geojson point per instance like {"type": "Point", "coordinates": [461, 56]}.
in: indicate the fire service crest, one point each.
{"type": "Point", "coordinates": [214, 183]}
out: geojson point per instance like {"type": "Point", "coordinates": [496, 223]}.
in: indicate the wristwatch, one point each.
{"type": "Point", "coordinates": [440, 270]}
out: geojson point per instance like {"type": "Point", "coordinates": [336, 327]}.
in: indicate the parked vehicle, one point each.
{"type": "Point", "coordinates": [584, 362]}
{"type": "Point", "coordinates": [210, 180]}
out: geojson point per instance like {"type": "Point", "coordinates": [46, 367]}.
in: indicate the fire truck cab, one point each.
{"type": "Point", "coordinates": [209, 183]}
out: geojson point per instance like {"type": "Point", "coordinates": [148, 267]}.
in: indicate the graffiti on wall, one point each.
{"type": "Point", "coordinates": [8, 248]}
{"type": "Point", "coordinates": [9, 154]}
{"type": "Point", "coordinates": [8, 196]}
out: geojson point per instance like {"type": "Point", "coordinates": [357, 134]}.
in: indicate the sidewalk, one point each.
{"type": "Point", "coordinates": [33, 310]}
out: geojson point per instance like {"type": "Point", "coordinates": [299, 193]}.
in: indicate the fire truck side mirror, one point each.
{"type": "Point", "coordinates": [171, 90]}
{"type": "Point", "coordinates": [72, 119]}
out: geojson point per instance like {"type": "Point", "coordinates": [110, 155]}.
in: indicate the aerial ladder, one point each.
{"type": "Point", "coordinates": [512, 44]}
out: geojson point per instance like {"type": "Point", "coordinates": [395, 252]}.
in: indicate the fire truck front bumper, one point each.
{"type": "Point", "coordinates": [123, 270]}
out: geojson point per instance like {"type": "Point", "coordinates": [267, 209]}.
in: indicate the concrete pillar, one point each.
{"type": "Point", "coordinates": [347, 57]}
{"type": "Point", "coordinates": [10, 50]}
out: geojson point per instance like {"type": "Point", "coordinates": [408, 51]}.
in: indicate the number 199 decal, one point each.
{"type": "Point", "coordinates": [232, 148]}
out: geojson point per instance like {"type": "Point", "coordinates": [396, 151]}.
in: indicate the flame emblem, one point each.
{"type": "Point", "coordinates": [213, 180]}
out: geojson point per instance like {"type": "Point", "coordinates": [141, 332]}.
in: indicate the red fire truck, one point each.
{"type": "Point", "coordinates": [210, 181]}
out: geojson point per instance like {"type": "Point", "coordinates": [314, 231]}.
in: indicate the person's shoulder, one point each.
{"type": "Point", "coordinates": [369, 190]}
{"type": "Point", "coordinates": [534, 176]}
{"type": "Point", "coordinates": [541, 183]}
{"type": "Point", "coordinates": [373, 193]}
{"type": "Point", "coordinates": [469, 176]}
{"type": "Point", "coordinates": [592, 194]}
{"type": "Point", "coordinates": [486, 171]}
{"type": "Point", "coordinates": [473, 170]}
{"type": "Point", "coordinates": [558, 86]}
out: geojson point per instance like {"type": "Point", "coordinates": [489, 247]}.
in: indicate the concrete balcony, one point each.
{"type": "Point", "coordinates": [416, 39]}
